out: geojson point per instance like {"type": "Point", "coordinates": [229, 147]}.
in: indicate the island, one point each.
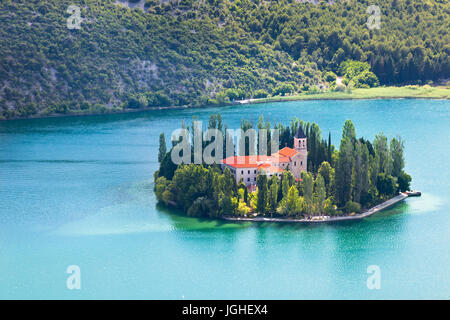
{"type": "Point", "coordinates": [307, 180]}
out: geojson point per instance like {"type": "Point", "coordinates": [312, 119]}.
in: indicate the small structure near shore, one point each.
{"type": "Point", "coordinates": [247, 168]}
{"type": "Point", "coordinates": [413, 193]}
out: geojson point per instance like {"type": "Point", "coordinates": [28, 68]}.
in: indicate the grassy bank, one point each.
{"type": "Point", "coordinates": [423, 92]}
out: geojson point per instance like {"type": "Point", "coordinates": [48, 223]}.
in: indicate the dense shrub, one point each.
{"type": "Point", "coordinates": [352, 207]}
{"type": "Point", "coordinates": [404, 182]}
{"type": "Point", "coordinates": [283, 89]}
{"type": "Point", "coordinates": [260, 94]}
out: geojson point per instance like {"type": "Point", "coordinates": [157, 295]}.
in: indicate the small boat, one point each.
{"type": "Point", "coordinates": [413, 193]}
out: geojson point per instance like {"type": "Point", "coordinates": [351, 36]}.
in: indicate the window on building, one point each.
{"type": "Point", "coordinates": [248, 179]}
{"type": "Point", "coordinates": [301, 163]}
{"type": "Point", "coordinates": [255, 172]}
{"type": "Point", "coordinates": [295, 163]}
{"type": "Point", "coordinates": [254, 179]}
{"type": "Point", "coordinates": [242, 171]}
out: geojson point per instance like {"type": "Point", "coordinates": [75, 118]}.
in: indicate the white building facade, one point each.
{"type": "Point", "coordinates": [246, 168]}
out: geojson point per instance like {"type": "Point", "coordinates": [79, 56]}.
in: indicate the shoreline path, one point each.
{"type": "Point", "coordinates": [363, 215]}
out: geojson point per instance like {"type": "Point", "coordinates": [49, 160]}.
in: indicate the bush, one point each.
{"type": "Point", "coordinates": [339, 88]}
{"type": "Point", "coordinates": [221, 98]}
{"type": "Point", "coordinates": [330, 76]}
{"type": "Point", "coordinates": [329, 208]}
{"type": "Point", "coordinates": [167, 196]}
{"type": "Point", "coordinates": [370, 197]}
{"type": "Point", "coordinates": [161, 185]}
{"type": "Point", "coordinates": [149, 3]}
{"type": "Point", "coordinates": [351, 207]}
{"type": "Point", "coordinates": [137, 102]}
{"type": "Point", "coordinates": [358, 73]}
{"type": "Point", "coordinates": [242, 209]}
{"type": "Point", "coordinates": [235, 94]}
{"type": "Point", "coordinates": [283, 89]}
{"type": "Point", "coordinates": [259, 94]}
{"type": "Point", "coordinates": [313, 90]}
{"type": "Point", "coordinates": [404, 181]}
{"type": "Point", "coordinates": [157, 99]}
{"type": "Point", "coordinates": [367, 79]}
{"type": "Point", "coordinates": [385, 184]}
{"type": "Point", "coordinates": [351, 68]}
{"type": "Point", "coordinates": [198, 208]}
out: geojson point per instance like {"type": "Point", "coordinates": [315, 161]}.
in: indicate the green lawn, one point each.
{"type": "Point", "coordinates": [372, 93]}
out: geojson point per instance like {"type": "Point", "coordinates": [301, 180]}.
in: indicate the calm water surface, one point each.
{"type": "Point", "coordinates": [78, 191]}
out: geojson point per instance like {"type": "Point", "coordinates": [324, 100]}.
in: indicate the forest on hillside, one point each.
{"type": "Point", "coordinates": [201, 52]}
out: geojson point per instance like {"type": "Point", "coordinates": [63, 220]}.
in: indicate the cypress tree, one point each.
{"type": "Point", "coordinates": [329, 148]}
{"type": "Point", "coordinates": [162, 147]}
{"type": "Point", "coordinates": [261, 182]}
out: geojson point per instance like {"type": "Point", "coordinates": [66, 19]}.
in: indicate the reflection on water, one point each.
{"type": "Point", "coordinates": [425, 204]}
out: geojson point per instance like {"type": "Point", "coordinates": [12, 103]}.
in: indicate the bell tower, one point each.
{"type": "Point", "coordinates": [301, 146]}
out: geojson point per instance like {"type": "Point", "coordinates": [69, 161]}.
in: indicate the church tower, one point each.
{"type": "Point", "coordinates": [300, 145]}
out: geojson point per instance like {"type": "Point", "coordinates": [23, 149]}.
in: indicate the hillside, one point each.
{"type": "Point", "coordinates": [198, 52]}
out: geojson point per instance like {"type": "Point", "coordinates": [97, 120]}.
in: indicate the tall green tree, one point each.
{"type": "Point", "coordinates": [404, 182]}
{"type": "Point", "coordinates": [327, 172]}
{"type": "Point", "coordinates": [287, 180]}
{"type": "Point", "coordinates": [360, 171]}
{"type": "Point", "coordinates": [307, 190]}
{"type": "Point", "coordinates": [293, 201]}
{"type": "Point", "coordinates": [344, 170]}
{"type": "Point", "coordinates": [382, 155]}
{"type": "Point", "coordinates": [261, 182]}
{"type": "Point", "coordinates": [386, 184]}
{"type": "Point", "coordinates": [329, 149]}
{"type": "Point", "coordinates": [273, 194]}
{"type": "Point", "coordinates": [162, 147]}
{"type": "Point", "coordinates": [320, 194]}
{"type": "Point", "coordinates": [396, 153]}
{"type": "Point", "coordinates": [349, 131]}
{"type": "Point", "coordinates": [226, 190]}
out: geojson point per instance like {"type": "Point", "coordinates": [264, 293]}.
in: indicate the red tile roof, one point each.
{"type": "Point", "coordinates": [283, 156]}
{"type": "Point", "coordinates": [287, 152]}
{"type": "Point", "coordinates": [246, 161]}
{"type": "Point", "coordinates": [280, 158]}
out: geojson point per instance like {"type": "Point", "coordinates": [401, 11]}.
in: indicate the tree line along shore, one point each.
{"type": "Point", "coordinates": [358, 176]}
{"type": "Point", "coordinates": [404, 92]}
{"type": "Point", "coordinates": [323, 218]}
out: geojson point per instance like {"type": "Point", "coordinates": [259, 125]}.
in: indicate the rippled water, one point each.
{"type": "Point", "coordinates": [78, 191]}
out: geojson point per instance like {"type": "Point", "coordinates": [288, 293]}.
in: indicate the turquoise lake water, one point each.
{"type": "Point", "coordinates": [78, 191]}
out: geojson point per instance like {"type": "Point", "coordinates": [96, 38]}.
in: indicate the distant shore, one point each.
{"type": "Point", "coordinates": [359, 216]}
{"type": "Point", "coordinates": [403, 92]}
